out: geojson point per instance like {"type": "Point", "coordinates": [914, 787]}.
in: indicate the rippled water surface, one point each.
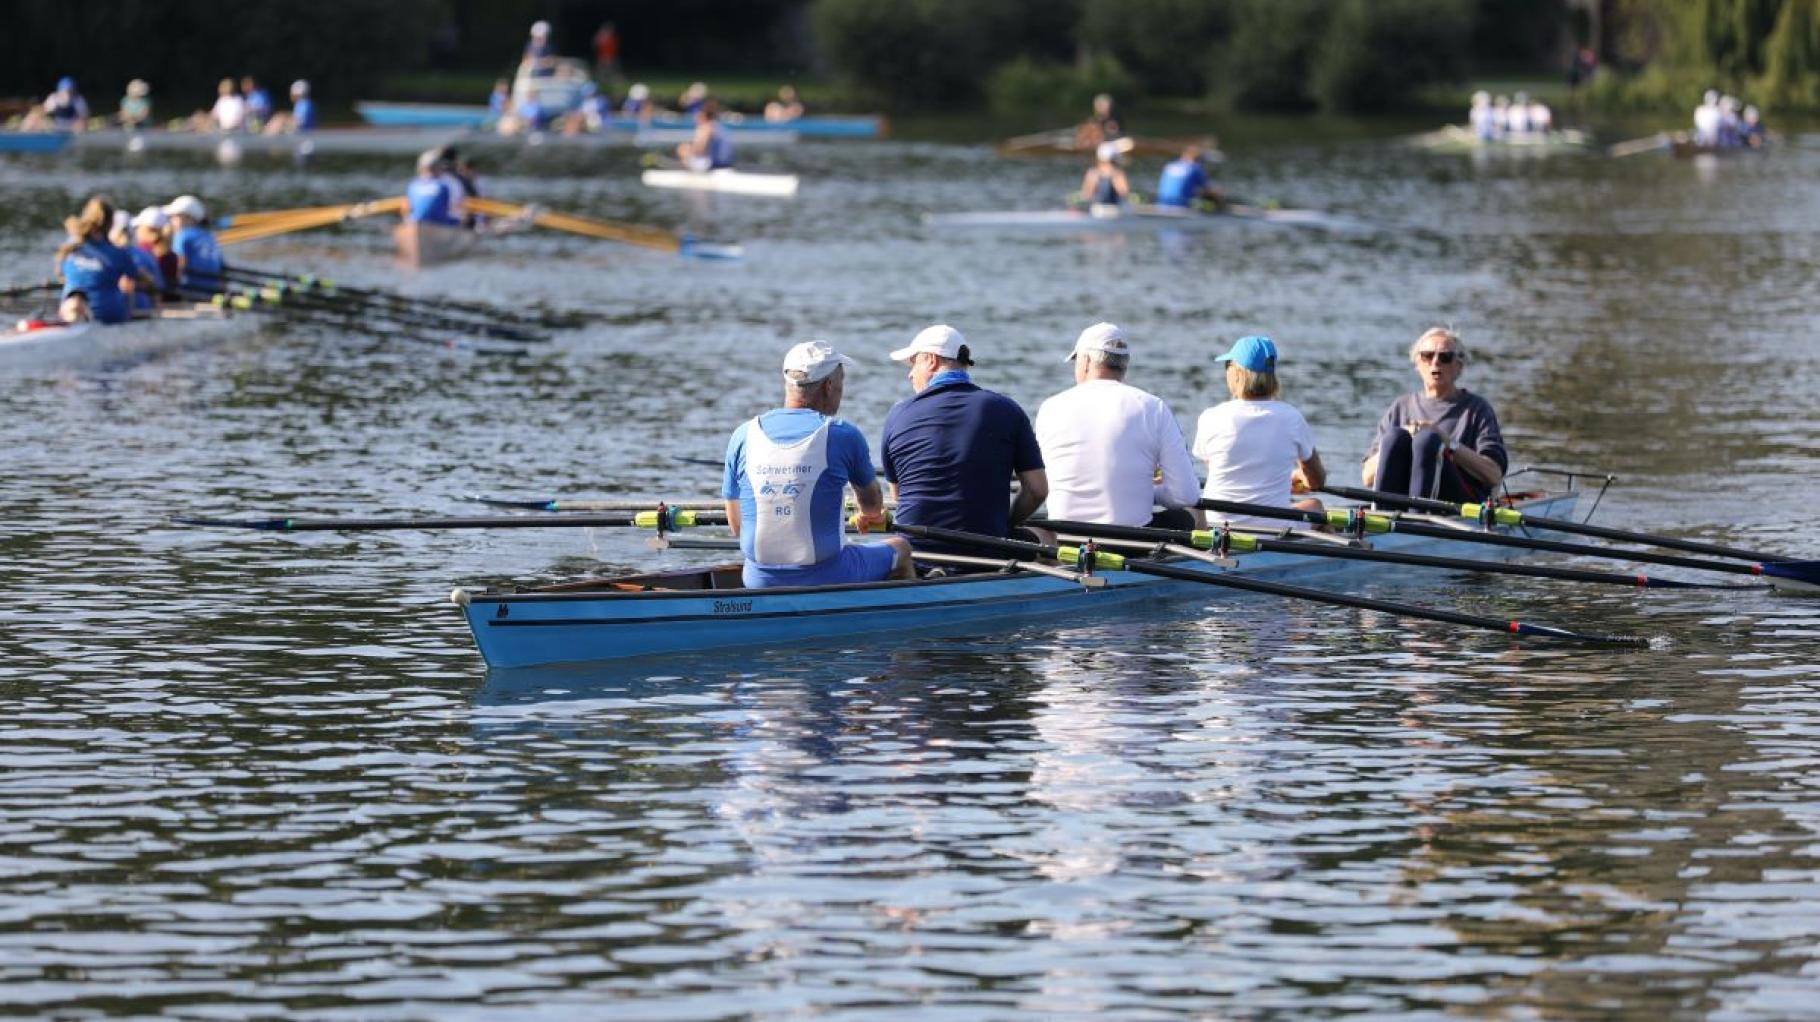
{"type": "Point", "coordinates": [250, 775]}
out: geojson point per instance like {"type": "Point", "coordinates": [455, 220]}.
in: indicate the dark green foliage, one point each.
{"type": "Point", "coordinates": [183, 48]}
{"type": "Point", "coordinates": [1025, 84]}
{"type": "Point", "coordinates": [928, 53]}
{"type": "Point", "coordinates": [1374, 54]}
{"type": "Point", "coordinates": [1765, 51]}
{"type": "Point", "coordinates": [1263, 64]}
{"type": "Point", "coordinates": [1163, 43]}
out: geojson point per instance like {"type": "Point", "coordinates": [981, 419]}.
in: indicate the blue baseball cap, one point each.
{"type": "Point", "coordinates": [1254, 352]}
{"type": "Point", "coordinates": [66, 84]}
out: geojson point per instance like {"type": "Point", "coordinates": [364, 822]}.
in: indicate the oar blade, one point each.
{"type": "Point", "coordinates": [1592, 638]}
{"type": "Point", "coordinates": [266, 524]}
{"type": "Point", "coordinates": [1796, 576]}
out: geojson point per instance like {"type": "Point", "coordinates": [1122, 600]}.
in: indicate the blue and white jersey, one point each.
{"type": "Point", "coordinates": [146, 263]}
{"type": "Point", "coordinates": [1180, 183]}
{"type": "Point", "coordinates": [788, 469]}
{"type": "Point", "coordinates": [427, 201]}
{"type": "Point", "coordinates": [95, 269]}
{"type": "Point", "coordinates": [303, 114]}
{"type": "Point", "coordinates": [201, 259]}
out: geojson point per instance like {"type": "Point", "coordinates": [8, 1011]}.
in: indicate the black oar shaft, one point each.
{"type": "Point", "coordinates": [1348, 553]}
{"type": "Point", "coordinates": [1258, 585]}
{"type": "Point", "coordinates": [1560, 525]}
{"type": "Point", "coordinates": [1489, 538]}
{"type": "Point", "coordinates": [469, 522]}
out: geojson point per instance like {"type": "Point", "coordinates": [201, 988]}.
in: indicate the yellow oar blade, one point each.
{"type": "Point", "coordinates": [626, 234]}
{"type": "Point", "coordinates": [303, 220]}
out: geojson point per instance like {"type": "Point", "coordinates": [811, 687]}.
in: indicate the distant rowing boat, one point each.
{"type": "Point", "coordinates": [1063, 142]}
{"type": "Point", "coordinates": [734, 182]}
{"type": "Point", "coordinates": [706, 608]}
{"type": "Point", "coordinates": [1455, 139]}
{"type": "Point", "coordinates": [1126, 218]}
{"type": "Point", "coordinates": [79, 344]}
{"type": "Point", "coordinates": [448, 115]}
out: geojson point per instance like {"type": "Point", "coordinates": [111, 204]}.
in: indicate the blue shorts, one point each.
{"type": "Point", "coordinates": [856, 562]}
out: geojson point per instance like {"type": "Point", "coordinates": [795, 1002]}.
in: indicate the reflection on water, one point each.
{"type": "Point", "coordinates": [255, 774]}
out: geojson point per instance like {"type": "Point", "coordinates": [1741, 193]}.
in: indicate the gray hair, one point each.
{"type": "Point", "coordinates": [1440, 333]}
{"type": "Point", "coordinates": [1113, 361]}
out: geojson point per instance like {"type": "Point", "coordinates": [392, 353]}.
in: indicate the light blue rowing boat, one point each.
{"type": "Point", "coordinates": [706, 608]}
{"type": "Point", "coordinates": [451, 115]}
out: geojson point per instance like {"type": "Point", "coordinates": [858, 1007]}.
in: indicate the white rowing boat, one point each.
{"type": "Point", "coordinates": [77, 345]}
{"type": "Point", "coordinates": [1127, 218]}
{"type": "Point", "coordinates": [726, 179]}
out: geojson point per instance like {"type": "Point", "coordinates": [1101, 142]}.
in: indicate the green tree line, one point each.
{"type": "Point", "coordinates": [1343, 55]}
{"type": "Point", "coordinates": [1766, 51]}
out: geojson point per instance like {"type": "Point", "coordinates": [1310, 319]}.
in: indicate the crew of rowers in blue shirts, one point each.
{"type": "Point", "coordinates": [439, 193]}
{"type": "Point", "coordinates": [113, 266]}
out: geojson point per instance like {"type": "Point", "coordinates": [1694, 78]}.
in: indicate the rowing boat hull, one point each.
{"type": "Point", "coordinates": [33, 141]}
{"type": "Point", "coordinates": [1458, 141]}
{"type": "Point", "coordinates": [87, 344]}
{"type": "Point", "coordinates": [446, 115]}
{"type": "Point", "coordinates": [1118, 218]}
{"type": "Point", "coordinates": [727, 181]}
{"type": "Point", "coordinates": [422, 245]}
{"type": "Point", "coordinates": [1063, 143]}
{"type": "Point", "coordinates": [588, 623]}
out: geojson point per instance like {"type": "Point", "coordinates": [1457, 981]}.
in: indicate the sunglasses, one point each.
{"type": "Point", "coordinates": [1443, 357]}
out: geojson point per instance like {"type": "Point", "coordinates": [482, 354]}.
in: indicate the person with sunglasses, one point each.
{"type": "Point", "coordinates": [1443, 441]}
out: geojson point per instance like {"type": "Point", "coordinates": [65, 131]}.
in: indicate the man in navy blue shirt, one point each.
{"type": "Point", "coordinates": [952, 449]}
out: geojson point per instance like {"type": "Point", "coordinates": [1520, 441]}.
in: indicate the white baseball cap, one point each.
{"type": "Point", "coordinates": [1108, 151]}
{"type": "Point", "coordinates": [816, 360]}
{"type": "Point", "coordinates": [941, 339]}
{"type": "Point", "coordinates": [639, 90]}
{"type": "Point", "coordinates": [540, 28]}
{"type": "Point", "coordinates": [1106, 337]}
{"type": "Point", "coordinates": [151, 216]}
{"type": "Point", "coordinates": [300, 88]}
{"type": "Point", "coordinates": [186, 205]}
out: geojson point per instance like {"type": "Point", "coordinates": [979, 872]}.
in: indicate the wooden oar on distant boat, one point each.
{"type": "Point", "coordinates": [1493, 515]}
{"type": "Point", "coordinates": [288, 221]}
{"type": "Point", "coordinates": [1114, 562]}
{"type": "Point", "coordinates": [1782, 574]}
{"type": "Point", "coordinates": [1658, 142]}
{"type": "Point", "coordinates": [607, 230]}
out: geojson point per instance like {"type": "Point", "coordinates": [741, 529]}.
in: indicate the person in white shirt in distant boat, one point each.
{"type": "Point", "coordinates": [1480, 117]}
{"type": "Point", "coordinates": [1258, 448]}
{"type": "Point", "coordinates": [1113, 451]}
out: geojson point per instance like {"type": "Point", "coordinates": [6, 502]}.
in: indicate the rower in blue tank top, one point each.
{"type": "Point", "coordinates": [1105, 184]}
{"type": "Point", "coordinates": [1184, 182]}
{"type": "Point", "coordinates": [785, 477]}
{"type": "Point", "coordinates": [710, 148]}
{"type": "Point", "coordinates": [199, 259]}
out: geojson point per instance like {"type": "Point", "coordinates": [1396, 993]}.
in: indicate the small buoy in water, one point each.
{"type": "Point", "coordinates": [228, 152]}
{"type": "Point", "coordinates": [534, 138]}
{"type": "Point", "coordinates": [135, 144]}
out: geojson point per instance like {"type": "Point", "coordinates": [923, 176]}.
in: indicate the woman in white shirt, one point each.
{"type": "Point", "coordinates": [1258, 449]}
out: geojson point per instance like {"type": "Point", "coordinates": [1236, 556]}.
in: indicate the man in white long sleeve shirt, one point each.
{"type": "Point", "coordinates": [1114, 451]}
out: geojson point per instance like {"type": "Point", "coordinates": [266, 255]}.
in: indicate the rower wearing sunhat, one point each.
{"type": "Point", "coordinates": [1105, 184]}
{"type": "Point", "coordinates": [1112, 451]}
{"type": "Point", "coordinates": [302, 116]}
{"type": "Point", "coordinates": [427, 198]}
{"type": "Point", "coordinates": [709, 148]}
{"type": "Point", "coordinates": [199, 262]}
{"type": "Point", "coordinates": [638, 103]}
{"type": "Point", "coordinates": [65, 109]}
{"type": "Point", "coordinates": [145, 254]}
{"type": "Point", "coordinates": [951, 449]}
{"type": "Point", "coordinates": [136, 105]}
{"type": "Point", "coordinates": [539, 55]}
{"type": "Point", "coordinates": [152, 232]}
{"type": "Point", "coordinates": [785, 477]}
{"type": "Point", "coordinates": [1258, 447]}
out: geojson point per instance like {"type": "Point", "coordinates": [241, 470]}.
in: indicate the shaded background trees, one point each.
{"type": "Point", "coordinates": [1337, 55]}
